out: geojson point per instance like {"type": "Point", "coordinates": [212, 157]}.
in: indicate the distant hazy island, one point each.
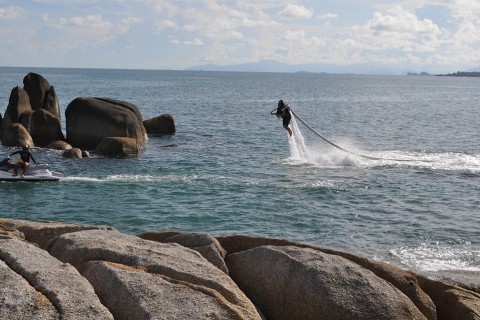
{"type": "Point", "coordinates": [461, 74]}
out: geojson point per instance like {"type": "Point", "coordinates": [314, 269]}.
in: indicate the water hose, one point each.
{"type": "Point", "coordinates": [337, 146]}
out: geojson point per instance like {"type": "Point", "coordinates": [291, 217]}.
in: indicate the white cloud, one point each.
{"type": "Point", "coordinates": [166, 24]}
{"type": "Point", "coordinates": [195, 42]}
{"type": "Point", "coordinates": [327, 16]}
{"type": "Point", "coordinates": [296, 11]}
{"type": "Point", "coordinates": [164, 7]}
{"type": "Point", "coordinates": [12, 13]}
{"type": "Point", "coordinates": [125, 24]}
{"type": "Point", "coordinates": [401, 21]}
{"type": "Point", "coordinates": [94, 21]}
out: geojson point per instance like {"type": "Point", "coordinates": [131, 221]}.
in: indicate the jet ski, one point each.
{"type": "Point", "coordinates": [36, 172]}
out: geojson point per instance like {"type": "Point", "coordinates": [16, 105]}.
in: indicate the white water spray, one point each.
{"type": "Point", "coordinates": [298, 149]}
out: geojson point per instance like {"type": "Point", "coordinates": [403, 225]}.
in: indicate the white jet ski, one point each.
{"type": "Point", "coordinates": [35, 173]}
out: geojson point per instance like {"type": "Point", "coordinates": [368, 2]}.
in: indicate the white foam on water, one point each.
{"type": "Point", "coordinates": [132, 178]}
{"type": "Point", "coordinates": [429, 257]}
{"type": "Point", "coordinates": [324, 155]}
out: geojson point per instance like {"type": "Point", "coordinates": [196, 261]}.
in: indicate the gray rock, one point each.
{"type": "Point", "coordinates": [42, 232]}
{"type": "Point", "coordinates": [15, 135]}
{"type": "Point", "coordinates": [143, 295]}
{"type": "Point", "coordinates": [89, 120]}
{"type": "Point", "coordinates": [161, 125]}
{"type": "Point", "coordinates": [403, 280]}
{"type": "Point", "coordinates": [18, 103]}
{"type": "Point", "coordinates": [19, 300]}
{"type": "Point", "coordinates": [42, 95]}
{"type": "Point", "coordinates": [43, 126]}
{"type": "Point", "coordinates": [59, 145]}
{"type": "Point", "coordinates": [452, 302]}
{"type": "Point", "coordinates": [120, 147]}
{"type": "Point", "coordinates": [298, 283]}
{"type": "Point", "coordinates": [70, 293]}
{"type": "Point", "coordinates": [72, 153]}
{"type": "Point", "coordinates": [203, 243]}
{"type": "Point", "coordinates": [164, 259]}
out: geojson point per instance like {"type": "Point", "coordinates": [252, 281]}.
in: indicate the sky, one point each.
{"type": "Point", "coordinates": [438, 36]}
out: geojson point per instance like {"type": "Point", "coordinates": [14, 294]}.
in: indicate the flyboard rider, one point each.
{"type": "Point", "coordinates": [283, 111]}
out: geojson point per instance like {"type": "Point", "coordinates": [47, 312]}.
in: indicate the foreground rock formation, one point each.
{"type": "Point", "coordinates": [69, 271]}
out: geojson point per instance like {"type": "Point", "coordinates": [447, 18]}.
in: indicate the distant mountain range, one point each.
{"type": "Point", "coordinates": [274, 66]}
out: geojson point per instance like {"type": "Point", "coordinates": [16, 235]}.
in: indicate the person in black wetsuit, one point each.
{"type": "Point", "coordinates": [283, 111]}
{"type": "Point", "coordinates": [23, 161]}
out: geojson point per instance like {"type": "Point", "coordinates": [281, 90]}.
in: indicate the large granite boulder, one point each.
{"type": "Point", "coordinates": [403, 280]}
{"type": "Point", "coordinates": [42, 232]}
{"type": "Point", "coordinates": [15, 135]}
{"type": "Point", "coordinates": [162, 125]}
{"type": "Point", "coordinates": [187, 283]}
{"type": "Point", "coordinates": [120, 147]}
{"type": "Point", "coordinates": [203, 243]}
{"type": "Point", "coordinates": [42, 94]}
{"type": "Point", "coordinates": [89, 120]}
{"type": "Point", "coordinates": [452, 302]}
{"type": "Point", "coordinates": [44, 127]}
{"type": "Point", "coordinates": [46, 287]}
{"type": "Point", "coordinates": [18, 103]}
{"type": "Point", "coordinates": [302, 283]}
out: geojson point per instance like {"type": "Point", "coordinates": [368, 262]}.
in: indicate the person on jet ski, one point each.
{"type": "Point", "coordinates": [23, 161]}
{"type": "Point", "coordinates": [283, 111]}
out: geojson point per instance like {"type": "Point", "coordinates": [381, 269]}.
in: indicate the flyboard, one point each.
{"type": "Point", "coordinates": [339, 147]}
{"type": "Point", "coordinates": [34, 173]}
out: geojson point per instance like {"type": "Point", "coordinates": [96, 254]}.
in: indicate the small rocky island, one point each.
{"type": "Point", "coordinates": [106, 126]}
{"type": "Point", "coordinates": [57, 270]}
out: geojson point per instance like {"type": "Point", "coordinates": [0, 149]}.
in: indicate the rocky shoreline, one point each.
{"type": "Point", "coordinates": [56, 270]}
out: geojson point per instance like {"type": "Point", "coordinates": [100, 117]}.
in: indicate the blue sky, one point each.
{"type": "Point", "coordinates": [423, 35]}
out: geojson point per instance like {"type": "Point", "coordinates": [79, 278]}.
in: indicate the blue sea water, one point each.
{"type": "Point", "coordinates": [234, 170]}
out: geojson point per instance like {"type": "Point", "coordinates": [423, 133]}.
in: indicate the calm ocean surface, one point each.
{"type": "Point", "coordinates": [236, 171]}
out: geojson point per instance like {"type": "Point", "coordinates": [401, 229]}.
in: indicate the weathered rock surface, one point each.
{"type": "Point", "coordinates": [89, 120]}
{"type": "Point", "coordinates": [18, 103]}
{"type": "Point", "coordinates": [42, 232]}
{"type": "Point", "coordinates": [286, 281]}
{"type": "Point", "coordinates": [452, 302]}
{"type": "Point", "coordinates": [205, 244]}
{"type": "Point", "coordinates": [145, 295]}
{"type": "Point", "coordinates": [119, 147]}
{"type": "Point", "coordinates": [42, 94]}
{"type": "Point", "coordinates": [158, 275]}
{"type": "Point", "coordinates": [44, 127]}
{"type": "Point", "coordinates": [169, 260]}
{"type": "Point", "coordinates": [15, 135]}
{"type": "Point", "coordinates": [72, 153]}
{"type": "Point", "coordinates": [59, 145]}
{"type": "Point", "coordinates": [162, 125]}
{"type": "Point", "coordinates": [403, 280]}
{"type": "Point", "coordinates": [19, 300]}
{"type": "Point", "coordinates": [70, 293]}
